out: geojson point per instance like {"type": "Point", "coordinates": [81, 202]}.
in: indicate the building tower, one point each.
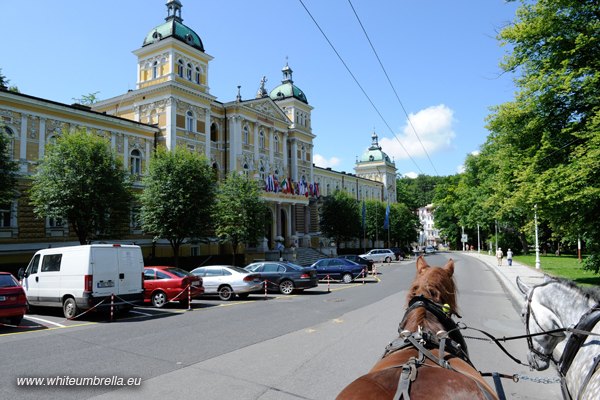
{"type": "Point", "coordinates": [376, 165]}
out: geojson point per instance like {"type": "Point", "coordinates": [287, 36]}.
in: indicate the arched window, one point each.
{"type": "Point", "coordinates": [155, 70]}
{"type": "Point", "coordinates": [276, 139]}
{"type": "Point", "coordinates": [135, 162]}
{"type": "Point", "coordinates": [197, 75]}
{"type": "Point", "coordinates": [261, 139]}
{"type": "Point", "coordinates": [189, 121]}
{"type": "Point", "coordinates": [245, 135]}
{"type": "Point", "coordinates": [189, 72]}
{"type": "Point", "coordinates": [180, 68]}
{"type": "Point", "coordinates": [303, 153]}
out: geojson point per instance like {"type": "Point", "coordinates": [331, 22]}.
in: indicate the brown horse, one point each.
{"type": "Point", "coordinates": [430, 359]}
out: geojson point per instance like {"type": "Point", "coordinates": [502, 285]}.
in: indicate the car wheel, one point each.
{"type": "Point", "coordinates": [243, 295]}
{"type": "Point", "coordinates": [225, 293]}
{"type": "Point", "coordinates": [15, 320]}
{"type": "Point", "coordinates": [70, 309]}
{"type": "Point", "coordinates": [388, 260]}
{"type": "Point", "coordinates": [286, 287]}
{"type": "Point", "coordinates": [347, 278]}
{"type": "Point", "coordinates": [159, 299]}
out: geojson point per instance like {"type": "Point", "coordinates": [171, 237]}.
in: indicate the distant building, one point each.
{"type": "Point", "coordinates": [429, 234]}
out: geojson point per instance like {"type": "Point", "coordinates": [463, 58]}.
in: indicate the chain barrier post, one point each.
{"type": "Point", "coordinates": [363, 276]}
{"type": "Point", "coordinates": [112, 306]}
{"type": "Point", "coordinates": [189, 297]}
{"type": "Point", "coordinates": [328, 289]}
{"type": "Point", "coordinates": [265, 282]}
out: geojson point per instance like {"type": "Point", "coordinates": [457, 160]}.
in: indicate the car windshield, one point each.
{"type": "Point", "coordinates": [7, 281]}
{"type": "Point", "coordinates": [178, 272]}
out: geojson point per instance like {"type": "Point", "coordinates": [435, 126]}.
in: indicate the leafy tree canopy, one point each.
{"type": "Point", "coordinates": [80, 179]}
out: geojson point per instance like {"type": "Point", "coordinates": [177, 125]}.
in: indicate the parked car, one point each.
{"type": "Point", "coordinates": [163, 284]}
{"type": "Point", "coordinates": [228, 281]}
{"type": "Point", "coordinates": [429, 249]}
{"type": "Point", "coordinates": [380, 255]}
{"type": "Point", "coordinates": [81, 277]}
{"type": "Point", "coordinates": [359, 260]}
{"type": "Point", "coordinates": [398, 252]}
{"type": "Point", "coordinates": [13, 302]}
{"type": "Point", "coordinates": [285, 276]}
{"type": "Point", "coordinates": [338, 268]}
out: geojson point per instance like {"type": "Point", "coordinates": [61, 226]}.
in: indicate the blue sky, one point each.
{"type": "Point", "coordinates": [442, 58]}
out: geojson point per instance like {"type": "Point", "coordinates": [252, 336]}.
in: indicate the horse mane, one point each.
{"type": "Point", "coordinates": [436, 284]}
{"type": "Point", "coordinates": [592, 293]}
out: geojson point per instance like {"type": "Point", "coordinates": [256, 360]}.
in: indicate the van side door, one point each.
{"type": "Point", "coordinates": [50, 280]}
{"type": "Point", "coordinates": [31, 280]}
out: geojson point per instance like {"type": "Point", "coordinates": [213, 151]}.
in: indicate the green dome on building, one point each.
{"type": "Point", "coordinates": [374, 153]}
{"type": "Point", "coordinates": [174, 27]}
{"type": "Point", "coordinates": [287, 88]}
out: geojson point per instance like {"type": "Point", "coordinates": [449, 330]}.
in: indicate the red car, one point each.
{"type": "Point", "coordinates": [13, 301]}
{"type": "Point", "coordinates": [163, 284]}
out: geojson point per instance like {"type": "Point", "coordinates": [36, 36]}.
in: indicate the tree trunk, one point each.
{"type": "Point", "coordinates": [175, 245]}
{"type": "Point", "coordinates": [524, 243]}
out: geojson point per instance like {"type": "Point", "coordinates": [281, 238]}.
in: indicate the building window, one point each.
{"type": "Point", "coordinates": [197, 75]}
{"type": "Point", "coordinates": [214, 132]}
{"type": "Point", "coordinates": [10, 136]}
{"type": "Point", "coordinates": [180, 68]}
{"type": "Point", "coordinates": [135, 220]}
{"type": "Point", "coordinates": [5, 215]}
{"type": "Point", "coordinates": [189, 121]}
{"type": "Point", "coordinates": [303, 153]}
{"type": "Point", "coordinates": [188, 72]}
{"type": "Point", "coordinates": [135, 162]}
{"type": "Point", "coordinates": [246, 170]}
{"type": "Point", "coordinates": [245, 135]}
{"type": "Point", "coordinates": [261, 139]}
{"type": "Point", "coordinates": [155, 70]}
{"type": "Point", "coordinates": [276, 139]}
{"type": "Point", "coordinates": [57, 222]}
{"type": "Point", "coordinates": [262, 172]}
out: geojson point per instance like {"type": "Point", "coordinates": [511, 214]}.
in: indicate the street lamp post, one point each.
{"type": "Point", "coordinates": [537, 245]}
{"type": "Point", "coordinates": [478, 247]}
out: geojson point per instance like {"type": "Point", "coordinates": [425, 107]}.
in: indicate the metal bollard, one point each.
{"type": "Point", "coordinates": [112, 305]}
{"type": "Point", "coordinates": [189, 297]}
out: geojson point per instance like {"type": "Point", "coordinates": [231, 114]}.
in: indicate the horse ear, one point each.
{"type": "Point", "coordinates": [522, 286]}
{"type": "Point", "coordinates": [449, 267]}
{"type": "Point", "coordinates": [421, 265]}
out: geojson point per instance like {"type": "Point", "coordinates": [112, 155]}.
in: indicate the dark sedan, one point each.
{"type": "Point", "coordinates": [284, 276]}
{"type": "Point", "coordinates": [359, 260]}
{"type": "Point", "coordinates": [338, 268]}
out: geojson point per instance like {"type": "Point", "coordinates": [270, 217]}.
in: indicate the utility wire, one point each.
{"type": "Point", "coordinates": [359, 85]}
{"type": "Point", "coordinates": [393, 88]}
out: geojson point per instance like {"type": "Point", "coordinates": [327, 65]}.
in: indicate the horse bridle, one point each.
{"type": "Point", "coordinates": [529, 335]}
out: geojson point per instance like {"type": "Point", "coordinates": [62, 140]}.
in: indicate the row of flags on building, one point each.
{"type": "Point", "coordinates": [287, 185]}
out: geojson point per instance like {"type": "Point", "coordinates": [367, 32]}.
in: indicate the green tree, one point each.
{"type": "Point", "coordinates": [87, 99]}
{"type": "Point", "coordinates": [8, 170]}
{"type": "Point", "coordinates": [375, 216]}
{"type": "Point", "coordinates": [80, 179]}
{"type": "Point", "coordinates": [178, 197]}
{"type": "Point", "coordinates": [404, 224]}
{"type": "Point", "coordinates": [4, 81]}
{"type": "Point", "coordinates": [340, 217]}
{"type": "Point", "coordinates": [239, 211]}
{"type": "Point", "coordinates": [554, 121]}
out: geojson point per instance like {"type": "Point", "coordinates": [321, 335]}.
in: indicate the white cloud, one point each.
{"type": "Point", "coordinates": [411, 175]}
{"type": "Point", "coordinates": [434, 128]}
{"type": "Point", "coordinates": [461, 168]}
{"type": "Point", "coordinates": [322, 162]}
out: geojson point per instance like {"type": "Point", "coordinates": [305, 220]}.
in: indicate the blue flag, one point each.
{"type": "Point", "coordinates": [386, 221]}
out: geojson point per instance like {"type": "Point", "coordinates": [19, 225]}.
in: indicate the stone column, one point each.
{"type": "Point", "coordinates": [23, 144]}
{"type": "Point", "coordinates": [42, 139]}
{"type": "Point", "coordinates": [171, 123]}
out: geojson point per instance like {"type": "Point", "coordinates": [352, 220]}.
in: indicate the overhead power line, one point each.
{"type": "Point", "coordinates": [358, 84]}
{"type": "Point", "coordinates": [392, 86]}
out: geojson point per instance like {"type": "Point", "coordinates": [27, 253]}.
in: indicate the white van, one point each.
{"type": "Point", "coordinates": [79, 277]}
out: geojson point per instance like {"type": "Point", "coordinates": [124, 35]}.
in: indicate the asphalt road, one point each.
{"type": "Point", "coordinates": [305, 346]}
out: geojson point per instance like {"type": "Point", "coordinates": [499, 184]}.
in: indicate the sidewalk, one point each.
{"type": "Point", "coordinates": [508, 275]}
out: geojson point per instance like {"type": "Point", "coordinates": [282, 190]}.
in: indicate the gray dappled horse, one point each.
{"type": "Point", "coordinates": [561, 306]}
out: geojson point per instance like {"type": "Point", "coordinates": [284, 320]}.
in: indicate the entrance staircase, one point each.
{"type": "Point", "coordinates": [306, 256]}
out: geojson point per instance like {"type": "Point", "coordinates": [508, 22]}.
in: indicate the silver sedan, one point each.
{"type": "Point", "coordinates": [228, 281]}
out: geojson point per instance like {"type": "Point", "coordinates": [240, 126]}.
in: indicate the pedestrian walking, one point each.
{"type": "Point", "coordinates": [509, 255]}
{"type": "Point", "coordinates": [499, 255]}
